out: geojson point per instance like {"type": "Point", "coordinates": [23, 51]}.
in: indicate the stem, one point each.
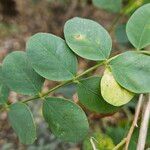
{"type": "Point", "coordinates": [134, 124]}
{"type": "Point", "coordinates": [145, 52]}
{"type": "Point", "coordinates": [117, 19]}
{"type": "Point", "coordinates": [42, 95]}
{"type": "Point", "coordinates": [144, 126]}
{"type": "Point", "coordinates": [56, 87]}
{"type": "Point", "coordinates": [92, 143]}
{"type": "Point", "coordinates": [120, 144]}
{"type": "Point", "coordinates": [30, 99]}
{"type": "Point", "coordinates": [124, 11]}
{"type": "Point", "coordinates": [88, 70]}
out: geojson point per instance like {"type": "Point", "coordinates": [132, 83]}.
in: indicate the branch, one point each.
{"type": "Point", "coordinates": [42, 95]}
{"type": "Point", "coordinates": [123, 12]}
{"type": "Point", "coordinates": [144, 126]}
{"type": "Point", "coordinates": [92, 143]}
{"type": "Point", "coordinates": [134, 124]}
{"type": "Point", "coordinates": [120, 144]}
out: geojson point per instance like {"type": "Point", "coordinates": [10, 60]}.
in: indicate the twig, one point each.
{"type": "Point", "coordinates": [92, 143]}
{"type": "Point", "coordinates": [120, 144]}
{"type": "Point", "coordinates": [42, 95]}
{"type": "Point", "coordinates": [144, 126]}
{"type": "Point", "coordinates": [134, 123]}
{"type": "Point", "coordinates": [123, 12]}
{"type": "Point", "coordinates": [126, 140]}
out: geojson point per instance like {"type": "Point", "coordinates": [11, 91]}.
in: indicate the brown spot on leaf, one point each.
{"type": "Point", "coordinates": [79, 37]}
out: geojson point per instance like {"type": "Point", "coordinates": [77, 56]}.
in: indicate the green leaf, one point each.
{"type": "Point", "coordinates": [4, 90]}
{"type": "Point", "coordinates": [146, 1]}
{"type": "Point", "coordinates": [19, 75]}
{"type": "Point", "coordinates": [66, 120]}
{"type": "Point", "coordinates": [89, 95]}
{"type": "Point", "coordinates": [132, 71]}
{"type": "Point", "coordinates": [138, 27]}
{"type": "Point", "coordinates": [87, 38]}
{"type": "Point", "coordinates": [117, 133]}
{"type": "Point", "coordinates": [51, 57]}
{"type": "Point", "coordinates": [112, 92]}
{"type": "Point", "coordinates": [100, 140]}
{"type": "Point", "coordinates": [109, 5]}
{"type": "Point", "coordinates": [22, 122]}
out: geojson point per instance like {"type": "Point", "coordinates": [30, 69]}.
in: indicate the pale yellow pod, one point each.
{"type": "Point", "coordinates": [112, 92]}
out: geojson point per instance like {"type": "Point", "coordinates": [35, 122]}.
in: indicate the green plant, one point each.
{"type": "Point", "coordinates": [109, 5]}
{"type": "Point", "coordinates": [101, 141]}
{"type": "Point", "coordinates": [50, 57]}
{"type": "Point", "coordinates": [117, 6]}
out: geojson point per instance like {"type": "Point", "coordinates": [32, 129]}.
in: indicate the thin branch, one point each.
{"type": "Point", "coordinates": [126, 140]}
{"type": "Point", "coordinates": [120, 144]}
{"type": "Point", "coordinates": [121, 15]}
{"type": "Point", "coordinates": [42, 95]}
{"type": "Point", "coordinates": [144, 126]}
{"type": "Point", "coordinates": [117, 19]}
{"type": "Point", "coordinates": [92, 143]}
{"type": "Point", "coordinates": [134, 123]}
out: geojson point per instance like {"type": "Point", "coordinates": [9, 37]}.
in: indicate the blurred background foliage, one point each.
{"type": "Point", "coordinates": [20, 19]}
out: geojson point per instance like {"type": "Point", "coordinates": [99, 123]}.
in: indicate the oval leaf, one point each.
{"type": "Point", "coordinates": [51, 57]}
{"type": "Point", "coordinates": [22, 122]}
{"type": "Point", "coordinates": [19, 75]}
{"type": "Point", "coordinates": [109, 5]}
{"type": "Point", "coordinates": [4, 90]}
{"type": "Point", "coordinates": [89, 95]}
{"type": "Point", "coordinates": [87, 38]}
{"type": "Point", "coordinates": [138, 27]}
{"type": "Point", "coordinates": [112, 92]}
{"type": "Point", "coordinates": [66, 119]}
{"type": "Point", "coordinates": [132, 71]}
